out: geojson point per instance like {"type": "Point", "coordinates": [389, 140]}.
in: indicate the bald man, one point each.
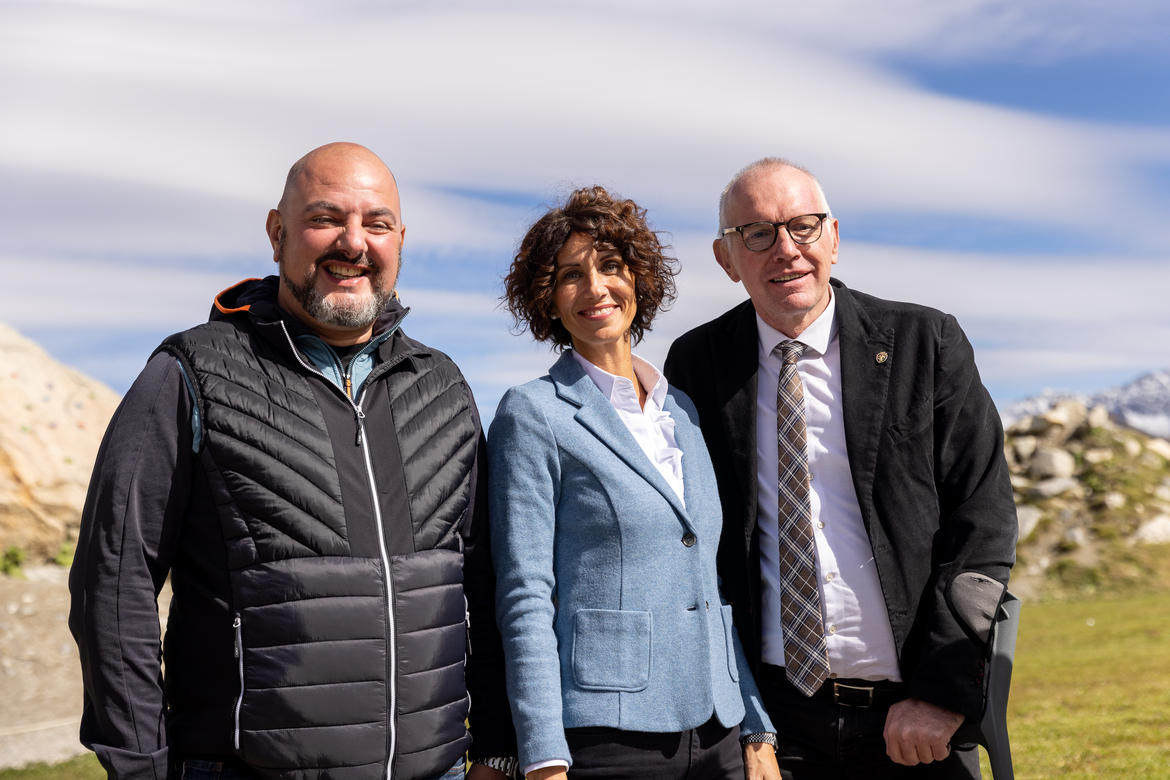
{"type": "Point", "coordinates": [868, 519]}
{"type": "Point", "coordinates": [310, 479]}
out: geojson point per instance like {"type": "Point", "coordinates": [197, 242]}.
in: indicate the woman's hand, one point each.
{"type": "Point", "coordinates": [759, 762]}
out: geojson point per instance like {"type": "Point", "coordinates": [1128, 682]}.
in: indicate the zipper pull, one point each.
{"type": "Point", "coordinates": [236, 626]}
{"type": "Point", "coordinates": [348, 387]}
{"type": "Point", "coordinates": [361, 417]}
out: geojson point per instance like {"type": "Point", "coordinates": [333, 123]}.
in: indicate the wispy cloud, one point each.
{"type": "Point", "coordinates": [142, 144]}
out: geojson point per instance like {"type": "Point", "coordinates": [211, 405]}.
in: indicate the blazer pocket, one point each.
{"type": "Point", "coordinates": [729, 640]}
{"type": "Point", "coordinates": [611, 649]}
{"type": "Point", "coordinates": [917, 421]}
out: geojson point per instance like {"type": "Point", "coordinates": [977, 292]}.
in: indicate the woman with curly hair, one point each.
{"type": "Point", "coordinates": [621, 658]}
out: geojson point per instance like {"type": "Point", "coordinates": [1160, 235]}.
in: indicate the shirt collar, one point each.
{"type": "Point", "coordinates": [816, 336]}
{"type": "Point", "coordinates": [620, 391]}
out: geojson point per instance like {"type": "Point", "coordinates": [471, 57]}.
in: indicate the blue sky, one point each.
{"type": "Point", "coordinates": [1006, 162]}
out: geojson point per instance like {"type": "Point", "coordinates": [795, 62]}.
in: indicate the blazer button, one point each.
{"type": "Point", "coordinates": [689, 539]}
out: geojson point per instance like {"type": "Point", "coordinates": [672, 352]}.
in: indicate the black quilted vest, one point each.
{"type": "Point", "coordinates": [341, 522]}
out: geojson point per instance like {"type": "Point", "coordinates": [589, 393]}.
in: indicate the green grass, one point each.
{"type": "Point", "coordinates": [1090, 691]}
{"type": "Point", "coordinates": [1090, 694]}
{"type": "Point", "coordinates": [11, 561]}
{"type": "Point", "coordinates": [84, 767]}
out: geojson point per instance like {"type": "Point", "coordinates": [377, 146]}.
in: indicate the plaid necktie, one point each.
{"type": "Point", "coordinates": [806, 656]}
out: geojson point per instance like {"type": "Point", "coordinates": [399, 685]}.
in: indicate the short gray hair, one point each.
{"type": "Point", "coordinates": [762, 164]}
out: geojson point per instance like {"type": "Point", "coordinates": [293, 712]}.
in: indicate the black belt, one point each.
{"type": "Point", "coordinates": [862, 693]}
{"type": "Point", "coordinates": [842, 691]}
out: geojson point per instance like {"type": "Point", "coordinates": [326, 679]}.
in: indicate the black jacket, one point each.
{"type": "Point", "coordinates": [313, 632]}
{"type": "Point", "coordinates": [926, 456]}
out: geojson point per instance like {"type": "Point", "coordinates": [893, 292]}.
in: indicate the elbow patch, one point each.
{"type": "Point", "coordinates": [974, 599]}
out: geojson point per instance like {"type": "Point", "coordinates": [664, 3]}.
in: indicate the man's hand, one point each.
{"type": "Point", "coordinates": [481, 772]}
{"type": "Point", "coordinates": [918, 732]}
{"type": "Point", "coordinates": [759, 762]}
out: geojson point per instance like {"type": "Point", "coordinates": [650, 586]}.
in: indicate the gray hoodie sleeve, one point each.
{"type": "Point", "coordinates": [137, 499]}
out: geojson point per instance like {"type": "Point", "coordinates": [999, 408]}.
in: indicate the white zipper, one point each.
{"type": "Point", "coordinates": [392, 649]}
{"type": "Point", "coordinates": [236, 624]}
{"type": "Point", "coordinates": [360, 418]}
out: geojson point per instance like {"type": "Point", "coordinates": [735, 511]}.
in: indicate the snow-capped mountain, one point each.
{"type": "Point", "coordinates": [1143, 404]}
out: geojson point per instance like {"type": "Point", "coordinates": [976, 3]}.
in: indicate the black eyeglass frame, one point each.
{"type": "Point", "coordinates": [821, 216]}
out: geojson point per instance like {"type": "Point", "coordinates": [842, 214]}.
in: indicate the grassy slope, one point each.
{"type": "Point", "coordinates": [1090, 694]}
{"type": "Point", "coordinates": [83, 767]}
{"type": "Point", "coordinates": [1091, 689]}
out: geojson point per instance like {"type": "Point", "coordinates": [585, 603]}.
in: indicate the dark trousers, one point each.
{"type": "Point", "coordinates": [220, 770]}
{"type": "Point", "coordinates": [822, 738]}
{"type": "Point", "coordinates": [709, 752]}
{"type": "Point", "coordinates": [196, 769]}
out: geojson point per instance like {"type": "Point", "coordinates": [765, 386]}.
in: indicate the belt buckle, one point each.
{"type": "Point", "coordinates": [860, 696]}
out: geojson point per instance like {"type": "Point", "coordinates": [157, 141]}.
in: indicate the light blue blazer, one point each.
{"type": "Point", "coordinates": [607, 596]}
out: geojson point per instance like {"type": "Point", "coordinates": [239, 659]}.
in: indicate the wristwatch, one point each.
{"type": "Point", "coordinates": [498, 763]}
{"type": "Point", "coordinates": [765, 737]}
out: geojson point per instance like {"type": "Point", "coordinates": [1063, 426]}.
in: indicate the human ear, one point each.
{"type": "Point", "coordinates": [273, 226]}
{"type": "Point", "coordinates": [721, 256]}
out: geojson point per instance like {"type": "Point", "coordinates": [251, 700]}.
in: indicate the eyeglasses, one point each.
{"type": "Point", "coordinates": [759, 236]}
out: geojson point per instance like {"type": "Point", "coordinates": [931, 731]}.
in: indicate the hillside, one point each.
{"type": "Point", "coordinates": [1093, 500]}
{"type": "Point", "coordinates": [51, 422]}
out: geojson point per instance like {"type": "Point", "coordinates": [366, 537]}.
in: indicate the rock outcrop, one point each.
{"type": "Point", "coordinates": [1092, 498]}
{"type": "Point", "coordinates": [51, 422]}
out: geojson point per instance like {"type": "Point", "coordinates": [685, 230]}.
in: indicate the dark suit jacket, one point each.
{"type": "Point", "coordinates": [926, 454]}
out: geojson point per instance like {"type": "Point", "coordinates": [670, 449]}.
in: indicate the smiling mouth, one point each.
{"type": "Point", "coordinates": [787, 277]}
{"type": "Point", "coordinates": [345, 271]}
{"type": "Point", "coordinates": [599, 311]}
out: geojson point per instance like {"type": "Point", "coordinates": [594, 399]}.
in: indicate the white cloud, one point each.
{"type": "Point", "coordinates": [470, 308]}
{"type": "Point", "coordinates": [45, 292]}
{"type": "Point", "coordinates": [142, 143]}
{"type": "Point", "coordinates": [515, 100]}
{"type": "Point", "coordinates": [1031, 318]}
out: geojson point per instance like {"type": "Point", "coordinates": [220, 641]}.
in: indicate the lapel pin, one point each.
{"type": "Point", "coordinates": [881, 357]}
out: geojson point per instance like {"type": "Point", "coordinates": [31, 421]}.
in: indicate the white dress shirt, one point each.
{"type": "Point", "coordinates": [857, 626]}
{"type": "Point", "coordinates": [651, 426]}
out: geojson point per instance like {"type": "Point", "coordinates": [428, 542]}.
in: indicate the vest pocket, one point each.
{"type": "Point", "coordinates": [729, 640]}
{"type": "Point", "coordinates": [611, 649]}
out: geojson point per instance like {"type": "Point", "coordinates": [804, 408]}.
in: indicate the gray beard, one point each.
{"type": "Point", "coordinates": [343, 311]}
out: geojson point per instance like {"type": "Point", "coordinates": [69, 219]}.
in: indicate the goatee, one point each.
{"type": "Point", "coordinates": [342, 311]}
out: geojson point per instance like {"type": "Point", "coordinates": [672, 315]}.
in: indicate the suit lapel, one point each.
{"type": "Point", "coordinates": [737, 362]}
{"type": "Point", "coordinates": [866, 356]}
{"type": "Point", "coordinates": [689, 439]}
{"type": "Point", "coordinates": [596, 414]}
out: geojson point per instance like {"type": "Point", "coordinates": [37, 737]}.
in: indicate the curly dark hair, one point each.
{"type": "Point", "coordinates": [613, 223]}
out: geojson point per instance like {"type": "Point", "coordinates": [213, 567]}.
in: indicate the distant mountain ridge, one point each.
{"type": "Point", "coordinates": [1143, 404]}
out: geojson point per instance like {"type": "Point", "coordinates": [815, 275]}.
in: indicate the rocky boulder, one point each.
{"type": "Point", "coordinates": [51, 422]}
{"type": "Point", "coordinates": [1092, 498]}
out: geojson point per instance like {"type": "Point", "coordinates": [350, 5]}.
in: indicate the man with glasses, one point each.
{"type": "Point", "coordinates": [869, 527]}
